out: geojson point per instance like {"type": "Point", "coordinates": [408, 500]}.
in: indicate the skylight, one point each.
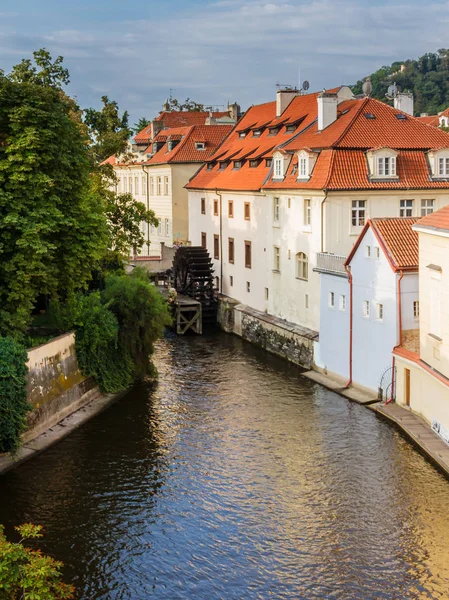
{"type": "Point", "coordinates": [400, 117]}
{"type": "Point", "coordinates": [369, 116]}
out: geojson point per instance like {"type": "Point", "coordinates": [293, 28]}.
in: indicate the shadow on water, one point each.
{"type": "Point", "coordinates": [235, 477]}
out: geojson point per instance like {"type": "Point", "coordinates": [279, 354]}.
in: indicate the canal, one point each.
{"type": "Point", "coordinates": [236, 478]}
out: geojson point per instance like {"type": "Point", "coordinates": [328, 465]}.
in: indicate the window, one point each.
{"type": "Point", "coordinates": [231, 250]}
{"type": "Point", "coordinates": [242, 134]}
{"type": "Point", "coordinates": [257, 132]}
{"type": "Point", "coordinates": [386, 166]}
{"type": "Point", "coordinates": [136, 185]}
{"type": "Point", "coordinates": [342, 302]}
{"type": "Point", "coordinates": [416, 309]}
{"type": "Point", "coordinates": [210, 166]}
{"type": "Point", "coordinates": [331, 300]}
{"type": "Point", "coordinates": [379, 312]}
{"type": "Point", "coordinates": [306, 300]}
{"type": "Point", "coordinates": [289, 202]}
{"type": "Point", "coordinates": [167, 227]}
{"type": "Point", "coordinates": [277, 259]}
{"type": "Point", "coordinates": [276, 210]}
{"type": "Point", "coordinates": [203, 206]}
{"type": "Point", "coordinates": [203, 239]}
{"type": "Point", "coordinates": [307, 213]}
{"type": "Point", "coordinates": [302, 266]}
{"type": "Point", "coordinates": [290, 128]}
{"type": "Point", "coordinates": [377, 251]}
{"type": "Point", "coordinates": [247, 211]}
{"type": "Point", "coordinates": [358, 214]}
{"type": "Point", "coordinates": [406, 208]}
{"type": "Point", "coordinates": [144, 185]}
{"type": "Point", "coordinates": [231, 209]}
{"type": "Point", "coordinates": [216, 246]}
{"type": "Point", "coordinates": [216, 207]}
{"type": "Point", "coordinates": [200, 145]}
{"type": "Point", "coordinates": [151, 186]}
{"type": "Point", "coordinates": [159, 227]}
{"type": "Point", "coordinates": [253, 163]}
{"type": "Point", "coordinates": [303, 167]}
{"type": "Point", "coordinates": [278, 168]}
{"type": "Point", "coordinates": [231, 280]}
{"type": "Point", "coordinates": [166, 186]}
{"type": "Point", "coordinates": [435, 307]}
{"type": "Point", "coordinates": [366, 308]}
{"type": "Point", "coordinates": [427, 207]}
{"type": "Point", "coordinates": [130, 183]}
{"type": "Point", "coordinates": [267, 293]}
{"type": "Point", "coordinates": [443, 166]}
{"type": "Point", "coordinates": [238, 164]}
{"type": "Point", "coordinates": [248, 286]}
{"type": "Point", "coordinates": [368, 251]}
{"type": "Point", "coordinates": [268, 162]}
{"type": "Point", "coordinates": [159, 186]}
{"type": "Point", "coordinates": [248, 255]}
{"type": "Point", "coordinates": [217, 283]}
{"type": "Point", "coordinates": [273, 130]}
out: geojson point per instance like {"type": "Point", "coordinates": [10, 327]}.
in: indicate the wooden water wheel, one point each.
{"type": "Point", "coordinates": [193, 276]}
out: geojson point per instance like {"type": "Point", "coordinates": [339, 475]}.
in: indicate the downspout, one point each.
{"type": "Point", "coordinates": [350, 325]}
{"type": "Point", "coordinates": [221, 240]}
{"type": "Point", "coordinates": [400, 307]}
{"type": "Point", "coordinates": [322, 219]}
{"type": "Point", "coordinates": [148, 206]}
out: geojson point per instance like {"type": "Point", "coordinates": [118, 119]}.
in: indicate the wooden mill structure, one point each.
{"type": "Point", "coordinates": [193, 278]}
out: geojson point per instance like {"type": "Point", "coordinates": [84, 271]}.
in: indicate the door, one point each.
{"type": "Point", "coordinates": [407, 387]}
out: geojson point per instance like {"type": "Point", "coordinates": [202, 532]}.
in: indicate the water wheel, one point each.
{"type": "Point", "coordinates": [193, 276]}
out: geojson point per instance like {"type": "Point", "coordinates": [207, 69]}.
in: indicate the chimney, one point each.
{"type": "Point", "coordinates": [327, 109]}
{"type": "Point", "coordinates": [156, 127]}
{"type": "Point", "coordinates": [234, 111]}
{"type": "Point", "coordinates": [404, 101]}
{"type": "Point", "coordinates": [283, 99]}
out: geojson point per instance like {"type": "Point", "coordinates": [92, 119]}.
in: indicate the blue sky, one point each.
{"type": "Point", "coordinates": [215, 51]}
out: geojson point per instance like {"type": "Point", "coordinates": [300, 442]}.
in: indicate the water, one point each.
{"type": "Point", "coordinates": [236, 478]}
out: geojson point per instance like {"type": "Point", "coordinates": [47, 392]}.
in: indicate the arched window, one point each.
{"type": "Point", "coordinates": [302, 266]}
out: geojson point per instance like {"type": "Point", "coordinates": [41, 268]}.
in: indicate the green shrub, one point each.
{"type": "Point", "coordinates": [13, 393]}
{"type": "Point", "coordinates": [29, 574]}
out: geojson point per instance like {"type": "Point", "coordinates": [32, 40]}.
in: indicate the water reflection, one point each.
{"type": "Point", "coordinates": [234, 477]}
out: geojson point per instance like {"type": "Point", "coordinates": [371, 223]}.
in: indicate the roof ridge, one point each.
{"type": "Point", "coordinates": [351, 122]}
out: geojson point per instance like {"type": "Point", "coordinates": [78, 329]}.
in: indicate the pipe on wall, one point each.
{"type": "Point", "coordinates": [221, 240]}
{"type": "Point", "coordinates": [401, 275]}
{"type": "Point", "coordinates": [350, 324]}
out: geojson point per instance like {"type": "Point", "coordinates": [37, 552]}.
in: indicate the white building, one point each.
{"type": "Point", "coordinates": [369, 303]}
{"type": "Point", "coordinates": [298, 178]}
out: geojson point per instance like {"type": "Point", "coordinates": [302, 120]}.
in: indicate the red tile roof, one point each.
{"type": "Point", "coordinates": [177, 118]}
{"type": "Point", "coordinates": [341, 162]}
{"type": "Point", "coordinates": [436, 220]}
{"type": "Point", "coordinates": [434, 120]}
{"type": "Point", "coordinates": [185, 151]}
{"type": "Point", "coordinates": [397, 239]}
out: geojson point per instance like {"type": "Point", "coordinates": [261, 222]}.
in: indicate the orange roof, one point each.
{"type": "Point", "coordinates": [177, 118]}
{"type": "Point", "coordinates": [362, 124]}
{"type": "Point", "coordinates": [397, 239]}
{"type": "Point", "coordinates": [434, 120]}
{"type": "Point", "coordinates": [112, 160]}
{"type": "Point", "coordinates": [185, 150]}
{"type": "Point", "coordinates": [436, 220]}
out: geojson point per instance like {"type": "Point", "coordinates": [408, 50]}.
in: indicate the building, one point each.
{"type": "Point", "coordinates": [297, 179]}
{"type": "Point", "coordinates": [422, 377]}
{"type": "Point", "coordinates": [439, 120]}
{"type": "Point", "coordinates": [161, 159]}
{"type": "Point", "coordinates": [369, 303]}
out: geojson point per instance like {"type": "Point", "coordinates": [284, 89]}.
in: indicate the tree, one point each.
{"type": "Point", "coordinates": [27, 574]}
{"type": "Point", "coordinates": [53, 229]}
{"type": "Point", "coordinates": [141, 124]}
{"type": "Point", "coordinates": [188, 104]}
{"type": "Point", "coordinates": [108, 130]}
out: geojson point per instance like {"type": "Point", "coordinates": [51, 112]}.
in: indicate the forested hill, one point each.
{"type": "Point", "coordinates": [427, 78]}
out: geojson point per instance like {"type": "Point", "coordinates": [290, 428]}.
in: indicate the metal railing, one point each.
{"type": "Point", "coordinates": [330, 263]}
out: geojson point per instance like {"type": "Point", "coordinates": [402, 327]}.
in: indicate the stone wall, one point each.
{"type": "Point", "coordinates": [56, 386]}
{"type": "Point", "coordinates": [275, 335]}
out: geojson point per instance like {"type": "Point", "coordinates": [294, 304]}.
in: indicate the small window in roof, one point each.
{"type": "Point", "coordinates": [210, 166]}
{"type": "Point", "coordinates": [400, 117]}
{"type": "Point", "coordinates": [238, 164]}
{"type": "Point", "coordinates": [369, 116]}
{"type": "Point", "coordinates": [253, 163]}
{"type": "Point", "coordinates": [290, 128]}
{"type": "Point", "coordinates": [257, 132]}
{"type": "Point", "coordinates": [223, 165]}
{"type": "Point", "coordinates": [242, 134]}
{"type": "Point", "coordinates": [273, 130]}
{"type": "Point", "coordinates": [268, 162]}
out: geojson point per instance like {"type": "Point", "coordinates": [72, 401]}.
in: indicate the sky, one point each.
{"type": "Point", "coordinates": [216, 51]}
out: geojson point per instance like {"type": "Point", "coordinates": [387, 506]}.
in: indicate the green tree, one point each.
{"type": "Point", "coordinates": [53, 230]}
{"type": "Point", "coordinates": [108, 130]}
{"type": "Point", "coordinates": [141, 124]}
{"type": "Point", "coordinates": [27, 574]}
{"type": "Point", "coordinates": [188, 104]}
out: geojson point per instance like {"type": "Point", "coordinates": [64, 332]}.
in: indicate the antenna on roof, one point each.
{"type": "Point", "coordinates": [392, 91]}
{"type": "Point", "coordinates": [367, 87]}
{"type": "Point", "coordinates": [305, 85]}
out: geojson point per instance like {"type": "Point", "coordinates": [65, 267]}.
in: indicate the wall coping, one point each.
{"type": "Point", "coordinates": [277, 322]}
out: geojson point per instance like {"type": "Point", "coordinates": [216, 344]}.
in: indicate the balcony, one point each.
{"type": "Point", "coordinates": [330, 263]}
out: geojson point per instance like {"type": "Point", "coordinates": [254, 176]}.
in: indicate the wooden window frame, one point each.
{"type": "Point", "coordinates": [231, 255]}
{"type": "Point", "coordinates": [215, 207]}
{"type": "Point", "coordinates": [203, 206]}
{"type": "Point", "coordinates": [248, 263]}
{"type": "Point", "coordinates": [203, 239]}
{"type": "Point", "coordinates": [216, 246]}
{"type": "Point", "coordinates": [247, 211]}
{"type": "Point", "coordinates": [230, 209]}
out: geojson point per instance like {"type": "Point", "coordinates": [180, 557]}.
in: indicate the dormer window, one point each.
{"type": "Point", "coordinates": [200, 145]}
{"type": "Point", "coordinates": [253, 164]}
{"type": "Point", "coordinates": [290, 128]}
{"type": "Point", "coordinates": [268, 162]}
{"type": "Point", "coordinates": [242, 134]}
{"type": "Point", "coordinates": [386, 166]}
{"type": "Point", "coordinates": [306, 162]}
{"type": "Point", "coordinates": [303, 166]}
{"type": "Point", "coordinates": [257, 132]}
{"type": "Point", "coordinates": [238, 164]}
{"type": "Point", "coordinates": [223, 165]}
{"type": "Point", "coordinates": [444, 121]}
{"type": "Point", "coordinates": [273, 131]}
{"type": "Point", "coordinates": [210, 166]}
{"type": "Point", "coordinates": [439, 163]}
{"type": "Point", "coordinates": [278, 167]}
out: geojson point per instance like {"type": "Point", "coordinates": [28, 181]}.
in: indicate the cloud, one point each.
{"type": "Point", "coordinates": [231, 49]}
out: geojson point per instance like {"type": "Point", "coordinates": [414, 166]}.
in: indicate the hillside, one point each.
{"type": "Point", "coordinates": [427, 77]}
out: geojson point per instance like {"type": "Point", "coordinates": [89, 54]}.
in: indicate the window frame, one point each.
{"type": "Point", "coordinates": [276, 259]}
{"type": "Point", "coordinates": [359, 213]}
{"type": "Point", "coordinates": [405, 207]}
{"type": "Point", "coordinates": [278, 167]}
{"type": "Point", "coordinates": [166, 186]}
{"type": "Point", "coordinates": [203, 206]}
{"type": "Point", "coordinates": [231, 254]}
{"type": "Point", "coordinates": [216, 214]}
{"type": "Point", "coordinates": [307, 212]}
{"type": "Point", "coordinates": [247, 211]}
{"type": "Point", "coordinates": [230, 209]}
{"type": "Point", "coordinates": [276, 210]}
{"type": "Point", "coordinates": [216, 246]}
{"type": "Point", "coordinates": [342, 302]}
{"type": "Point", "coordinates": [379, 311]}
{"type": "Point", "coordinates": [248, 254]}
{"type": "Point", "coordinates": [302, 266]}
{"type": "Point", "coordinates": [331, 300]}
{"type": "Point", "coordinates": [203, 239]}
{"type": "Point", "coordinates": [366, 305]}
{"type": "Point", "coordinates": [425, 208]}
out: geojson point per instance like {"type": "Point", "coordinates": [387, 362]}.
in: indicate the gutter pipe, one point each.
{"type": "Point", "coordinates": [322, 219]}
{"type": "Point", "coordinates": [221, 240]}
{"type": "Point", "coordinates": [350, 324]}
{"type": "Point", "coordinates": [147, 173]}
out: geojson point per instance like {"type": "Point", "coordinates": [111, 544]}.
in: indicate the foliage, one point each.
{"type": "Point", "coordinates": [141, 124]}
{"type": "Point", "coordinates": [427, 78]}
{"type": "Point", "coordinates": [27, 574]}
{"type": "Point", "coordinates": [53, 229]}
{"type": "Point", "coordinates": [13, 394]}
{"type": "Point", "coordinates": [188, 104]}
{"type": "Point", "coordinates": [108, 130]}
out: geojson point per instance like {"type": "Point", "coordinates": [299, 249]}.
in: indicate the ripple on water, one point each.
{"type": "Point", "coordinates": [236, 478]}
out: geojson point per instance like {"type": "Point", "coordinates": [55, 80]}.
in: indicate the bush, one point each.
{"type": "Point", "coordinates": [13, 393]}
{"type": "Point", "coordinates": [29, 574]}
